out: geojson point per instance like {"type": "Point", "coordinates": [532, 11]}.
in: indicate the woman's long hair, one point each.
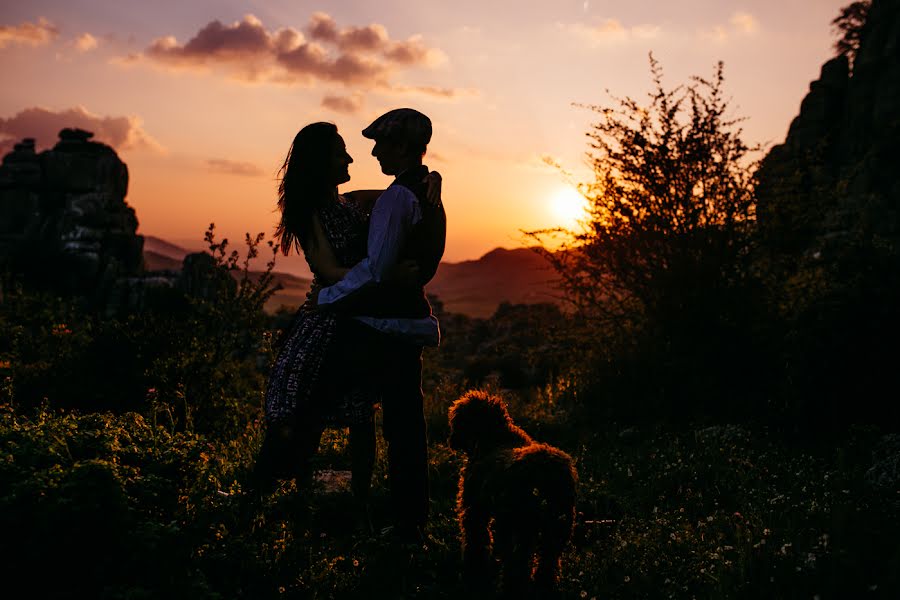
{"type": "Point", "coordinates": [304, 187]}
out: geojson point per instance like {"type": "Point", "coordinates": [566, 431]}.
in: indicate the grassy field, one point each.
{"type": "Point", "coordinates": [120, 507]}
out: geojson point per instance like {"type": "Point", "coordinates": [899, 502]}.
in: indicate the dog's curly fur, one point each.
{"type": "Point", "coordinates": [525, 487]}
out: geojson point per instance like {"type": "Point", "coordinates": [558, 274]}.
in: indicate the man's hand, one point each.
{"type": "Point", "coordinates": [433, 195]}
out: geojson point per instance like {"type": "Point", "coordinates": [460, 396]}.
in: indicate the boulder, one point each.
{"type": "Point", "coordinates": [64, 223]}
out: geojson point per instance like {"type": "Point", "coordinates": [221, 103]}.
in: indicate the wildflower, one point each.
{"type": "Point", "coordinates": [5, 364]}
{"type": "Point", "coordinates": [355, 562]}
{"type": "Point", "coordinates": [583, 594]}
{"type": "Point", "coordinates": [627, 579]}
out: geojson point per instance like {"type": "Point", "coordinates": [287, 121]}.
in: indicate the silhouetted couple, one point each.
{"type": "Point", "coordinates": [359, 337]}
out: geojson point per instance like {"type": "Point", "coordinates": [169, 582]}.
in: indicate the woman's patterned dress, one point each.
{"type": "Point", "coordinates": [293, 390]}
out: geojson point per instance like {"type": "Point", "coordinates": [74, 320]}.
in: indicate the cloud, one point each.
{"type": "Point", "coordinates": [744, 23]}
{"type": "Point", "coordinates": [364, 57]}
{"type": "Point", "coordinates": [610, 31]}
{"type": "Point", "coordinates": [122, 133]}
{"type": "Point", "coordinates": [434, 92]}
{"type": "Point", "coordinates": [34, 34]}
{"type": "Point", "coordinates": [85, 42]}
{"type": "Point", "coordinates": [232, 167]}
{"type": "Point", "coordinates": [343, 104]}
{"type": "Point", "coordinates": [740, 23]}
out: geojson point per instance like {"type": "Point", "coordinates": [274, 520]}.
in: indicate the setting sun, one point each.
{"type": "Point", "coordinates": [568, 207]}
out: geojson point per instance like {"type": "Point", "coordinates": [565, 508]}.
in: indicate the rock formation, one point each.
{"type": "Point", "coordinates": [828, 207]}
{"type": "Point", "coordinates": [64, 222]}
{"type": "Point", "coordinates": [834, 180]}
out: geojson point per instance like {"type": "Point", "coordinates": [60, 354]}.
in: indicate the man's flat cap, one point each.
{"type": "Point", "coordinates": [404, 124]}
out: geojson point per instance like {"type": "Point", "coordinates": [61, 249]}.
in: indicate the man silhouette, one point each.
{"type": "Point", "coordinates": [392, 318]}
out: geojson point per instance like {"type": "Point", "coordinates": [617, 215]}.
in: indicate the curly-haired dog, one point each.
{"type": "Point", "coordinates": [525, 487]}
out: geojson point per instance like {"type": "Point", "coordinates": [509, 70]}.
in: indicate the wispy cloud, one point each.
{"type": "Point", "coordinates": [611, 31]}
{"type": "Point", "coordinates": [365, 57]}
{"type": "Point", "coordinates": [233, 167]}
{"type": "Point", "coordinates": [33, 34]}
{"type": "Point", "coordinates": [343, 104]}
{"type": "Point", "coordinates": [435, 92]}
{"type": "Point", "coordinates": [85, 42]}
{"type": "Point", "coordinates": [122, 133]}
{"type": "Point", "coordinates": [744, 23]}
{"type": "Point", "coordinates": [740, 24]}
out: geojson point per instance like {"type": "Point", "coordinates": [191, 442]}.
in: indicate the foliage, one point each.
{"type": "Point", "coordinates": [121, 508]}
{"type": "Point", "coordinates": [662, 266]}
{"type": "Point", "coordinates": [96, 499]}
{"type": "Point", "coordinates": [849, 25]}
{"type": "Point", "coordinates": [196, 353]}
{"type": "Point", "coordinates": [519, 346]}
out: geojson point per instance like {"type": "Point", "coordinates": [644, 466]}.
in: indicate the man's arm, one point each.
{"type": "Point", "coordinates": [395, 211]}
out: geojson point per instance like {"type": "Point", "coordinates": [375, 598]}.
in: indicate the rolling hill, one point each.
{"type": "Point", "coordinates": [472, 287]}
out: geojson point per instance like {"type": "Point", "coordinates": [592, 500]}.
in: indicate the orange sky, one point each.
{"type": "Point", "coordinates": [202, 98]}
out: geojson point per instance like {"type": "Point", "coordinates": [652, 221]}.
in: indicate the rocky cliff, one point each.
{"type": "Point", "coordinates": [64, 222]}
{"type": "Point", "coordinates": [834, 181]}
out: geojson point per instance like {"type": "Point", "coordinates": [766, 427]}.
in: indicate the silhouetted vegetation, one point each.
{"type": "Point", "coordinates": [848, 25]}
{"type": "Point", "coordinates": [662, 273]}
{"type": "Point", "coordinates": [719, 310]}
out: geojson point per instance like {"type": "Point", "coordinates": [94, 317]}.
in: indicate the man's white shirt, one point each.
{"type": "Point", "coordinates": [395, 213]}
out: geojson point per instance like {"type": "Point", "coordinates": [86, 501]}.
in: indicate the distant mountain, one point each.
{"type": "Point", "coordinates": [160, 255]}
{"type": "Point", "coordinates": [472, 287]}
{"type": "Point", "coordinates": [477, 287]}
{"type": "Point", "coordinates": [161, 248]}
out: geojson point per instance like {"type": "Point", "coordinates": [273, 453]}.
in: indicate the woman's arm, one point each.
{"type": "Point", "coordinates": [320, 255]}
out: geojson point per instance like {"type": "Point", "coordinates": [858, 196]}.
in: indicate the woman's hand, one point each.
{"type": "Point", "coordinates": [433, 195]}
{"type": "Point", "coordinates": [405, 273]}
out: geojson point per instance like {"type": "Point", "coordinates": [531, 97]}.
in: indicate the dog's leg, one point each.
{"type": "Point", "coordinates": [474, 518]}
{"type": "Point", "coordinates": [476, 543]}
{"type": "Point", "coordinates": [516, 560]}
{"type": "Point", "coordinates": [554, 539]}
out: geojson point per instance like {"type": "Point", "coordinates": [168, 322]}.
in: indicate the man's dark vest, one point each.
{"type": "Point", "coordinates": [424, 245]}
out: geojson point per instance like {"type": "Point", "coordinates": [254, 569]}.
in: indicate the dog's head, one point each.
{"type": "Point", "coordinates": [478, 421]}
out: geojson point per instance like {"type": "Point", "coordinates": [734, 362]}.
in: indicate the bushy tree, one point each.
{"type": "Point", "coordinates": [849, 25]}
{"type": "Point", "coordinates": [662, 259]}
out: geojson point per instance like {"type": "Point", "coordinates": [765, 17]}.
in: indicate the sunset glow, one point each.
{"type": "Point", "coordinates": [202, 99]}
{"type": "Point", "coordinates": [569, 207]}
